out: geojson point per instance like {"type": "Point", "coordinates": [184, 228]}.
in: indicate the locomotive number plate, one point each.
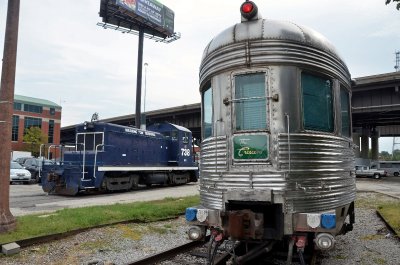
{"type": "Point", "coordinates": [250, 147]}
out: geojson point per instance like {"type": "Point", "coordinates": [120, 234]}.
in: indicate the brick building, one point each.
{"type": "Point", "coordinates": [35, 112]}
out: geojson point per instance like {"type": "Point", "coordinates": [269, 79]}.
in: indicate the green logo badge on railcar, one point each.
{"type": "Point", "coordinates": [250, 147]}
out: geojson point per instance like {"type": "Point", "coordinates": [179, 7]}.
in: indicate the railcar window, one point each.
{"type": "Point", "coordinates": [207, 113]}
{"type": "Point", "coordinates": [345, 111]}
{"type": "Point", "coordinates": [317, 103]}
{"type": "Point", "coordinates": [250, 102]}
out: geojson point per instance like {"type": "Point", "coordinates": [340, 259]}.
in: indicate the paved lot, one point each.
{"type": "Point", "coordinates": [388, 185]}
{"type": "Point", "coordinates": [27, 199]}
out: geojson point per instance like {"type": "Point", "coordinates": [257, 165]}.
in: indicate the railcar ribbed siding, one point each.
{"type": "Point", "coordinates": [320, 164]}
{"type": "Point", "coordinates": [215, 177]}
{"type": "Point", "coordinates": [320, 177]}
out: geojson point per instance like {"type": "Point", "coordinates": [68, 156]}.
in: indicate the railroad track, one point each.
{"type": "Point", "coordinates": [197, 253]}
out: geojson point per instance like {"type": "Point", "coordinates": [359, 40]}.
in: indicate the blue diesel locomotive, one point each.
{"type": "Point", "coordinates": [112, 157]}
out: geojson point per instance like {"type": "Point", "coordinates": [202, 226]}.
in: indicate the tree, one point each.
{"type": "Point", "coordinates": [398, 3]}
{"type": "Point", "coordinates": [384, 155]}
{"type": "Point", "coordinates": [33, 138]}
{"type": "Point", "coordinates": [396, 155]}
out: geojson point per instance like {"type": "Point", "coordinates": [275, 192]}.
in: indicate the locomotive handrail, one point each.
{"type": "Point", "coordinates": [95, 159]}
{"type": "Point", "coordinates": [54, 146]}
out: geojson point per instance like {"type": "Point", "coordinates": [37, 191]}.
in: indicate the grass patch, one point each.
{"type": "Point", "coordinates": [65, 220]}
{"type": "Point", "coordinates": [340, 257]}
{"type": "Point", "coordinates": [379, 261]}
{"type": "Point", "coordinates": [372, 237]}
{"type": "Point", "coordinates": [371, 200]}
{"type": "Point", "coordinates": [158, 230]}
{"type": "Point", "coordinates": [391, 213]}
{"type": "Point", "coordinates": [94, 245]}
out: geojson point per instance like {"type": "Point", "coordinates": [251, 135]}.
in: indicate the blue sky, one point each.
{"type": "Point", "coordinates": [64, 57]}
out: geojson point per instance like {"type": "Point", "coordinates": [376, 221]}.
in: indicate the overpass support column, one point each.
{"type": "Point", "coordinates": [365, 143]}
{"type": "Point", "coordinates": [375, 144]}
{"type": "Point", "coordinates": [356, 141]}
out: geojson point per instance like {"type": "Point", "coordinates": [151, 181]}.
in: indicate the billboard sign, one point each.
{"type": "Point", "coordinates": [152, 11]}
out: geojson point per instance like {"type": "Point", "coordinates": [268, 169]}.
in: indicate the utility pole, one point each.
{"type": "Point", "coordinates": [397, 66]}
{"type": "Point", "coordinates": [7, 220]}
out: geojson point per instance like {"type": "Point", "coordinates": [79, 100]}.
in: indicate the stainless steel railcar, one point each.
{"type": "Point", "coordinates": [277, 155]}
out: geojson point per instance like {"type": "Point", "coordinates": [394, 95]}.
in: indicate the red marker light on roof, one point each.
{"type": "Point", "coordinates": [248, 10]}
{"type": "Point", "coordinates": [247, 7]}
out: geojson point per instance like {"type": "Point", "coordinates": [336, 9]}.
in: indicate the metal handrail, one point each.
{"type": "Point", "coordinates": [288, 131]}
{"type": "Point", "coordinates": [95, 159]}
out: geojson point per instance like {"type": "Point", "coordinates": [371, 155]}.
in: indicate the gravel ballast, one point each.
{"type": "Point", "coordinates": [369, 243]}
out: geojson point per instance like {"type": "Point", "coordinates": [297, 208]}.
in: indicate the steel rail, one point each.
{"type": "Point", "coordinates": [161, 256]}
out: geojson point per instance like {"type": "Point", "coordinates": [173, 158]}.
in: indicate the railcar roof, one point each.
{"type": "Point", "coordinates": [268, 29]}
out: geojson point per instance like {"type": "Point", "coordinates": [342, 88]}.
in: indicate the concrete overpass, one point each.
{"type": "Point", "coordinates": [375, 103]}
{"type": "Point", "coordinates": [376, 111]}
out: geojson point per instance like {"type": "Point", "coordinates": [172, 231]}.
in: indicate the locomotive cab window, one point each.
{"type": "Point", "coordinates": [250, 102]}
{"type": "Point", "coordinates": [345, 111]}
{"type": "Point", "coordinates": [185, 138]}
{"type": "Point", "coordinates": [89, 141]}
{"type": "Point", "coordinates": [317, 103]}
{"type": "Point", "coordinates": [207, 113]}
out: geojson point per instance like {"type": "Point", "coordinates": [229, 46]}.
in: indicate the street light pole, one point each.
{"type": "Point", "coordinates": [145, 86]}
{"type": "Point", "coordinates": [7, 220]}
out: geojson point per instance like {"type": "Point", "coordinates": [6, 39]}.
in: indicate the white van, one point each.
{"type": "Point", "coordinates": [391, 167]}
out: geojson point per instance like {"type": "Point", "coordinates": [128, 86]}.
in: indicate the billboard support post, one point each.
{"type": "Point", "coordinates": [139, 78]}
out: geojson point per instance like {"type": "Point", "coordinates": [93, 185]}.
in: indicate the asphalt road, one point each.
{"type": "Point", "coordinates": [28, 199]}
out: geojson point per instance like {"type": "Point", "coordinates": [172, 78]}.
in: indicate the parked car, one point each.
{"type": "Point", "coordinates": [34, 165]}
{"type": "Point", "coordinates": [19, 174]}
{"type": "Point", "coordinates": [366, 171]}
{"type": "Point", "coordinates": [21, 160]}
